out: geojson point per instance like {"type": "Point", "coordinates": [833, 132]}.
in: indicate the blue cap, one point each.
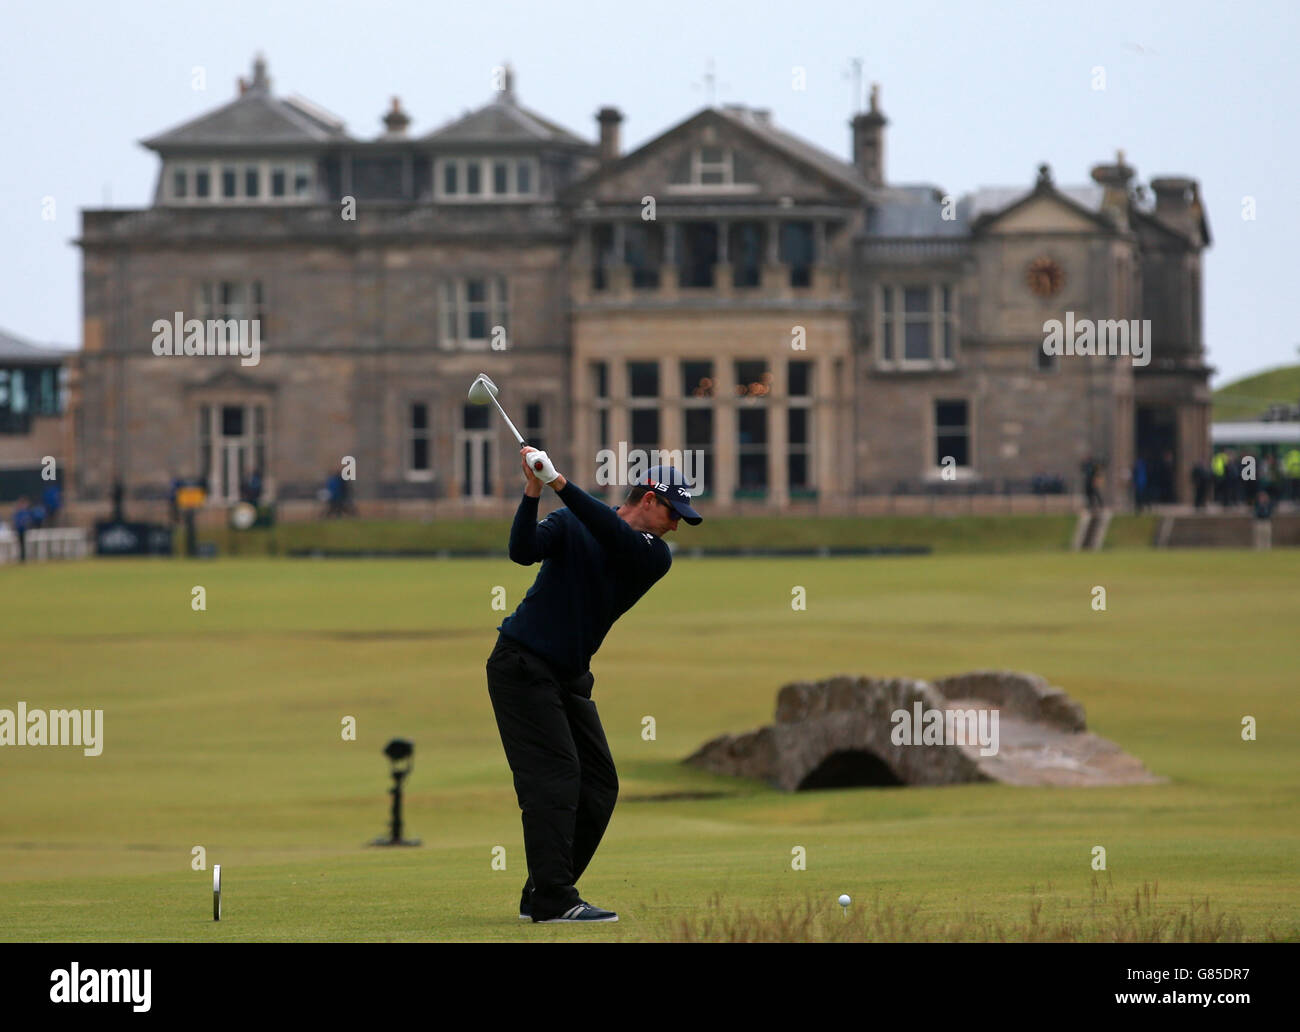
{"type": "Point", "coordinates": [671, 487]}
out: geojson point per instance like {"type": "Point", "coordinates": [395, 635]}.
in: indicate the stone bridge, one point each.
{"type": "Point", "coordinates": [1000, 726]}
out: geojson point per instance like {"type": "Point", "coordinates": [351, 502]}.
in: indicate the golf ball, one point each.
{"type": "Point", "coordinates": [845, 900]}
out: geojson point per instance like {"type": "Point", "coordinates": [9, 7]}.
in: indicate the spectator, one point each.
{"type": "Point", "coordinates": [1219, 466]}
{"type": "Point", "coordinates": [1139, 484]}
{"type": "Point", "coordinates": [337, 497]}
{"type": "Point", "coordinates": [1202, 481]}
{"type": "Point", "coordinates": [252, 490]}
{"type": "Point", "coordinates": [1263, 520]}
{"type": "Point", "coordinates": [23, 520]}
{"type": "Point", "coordinates": [52, 499]}
{"type": "Point", "coordinates": [1291, 474]}
{"type": "Point", "coordinates": [1232, 480]}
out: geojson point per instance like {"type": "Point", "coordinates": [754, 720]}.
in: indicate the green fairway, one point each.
{"type": "Point", "coordinates": [222, 731]}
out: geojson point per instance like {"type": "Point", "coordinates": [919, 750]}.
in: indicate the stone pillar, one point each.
{"type": "Point", "coordinates": [778, 442]}
{"type": "Point", "coordinates": [620, 420]}
{"type": "Point", "coordinates": [822, 432]}
{"type": "Point", "coordinates": [668, 277]}
{"type": "Point", "coordinates": [724, 433]}
{"type": "Point", "coordinates": [672, 431]}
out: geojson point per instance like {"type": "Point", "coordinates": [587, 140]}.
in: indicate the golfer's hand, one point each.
{"type": "Point", "coordinates": [532, 458]}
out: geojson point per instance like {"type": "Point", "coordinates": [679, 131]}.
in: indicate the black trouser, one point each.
{"type": "Point", "coordinates": [564, 775]}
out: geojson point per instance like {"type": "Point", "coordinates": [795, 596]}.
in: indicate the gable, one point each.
{"type": "Point", "coordinates": [709, 158]}
{"type": "Point", "coordinates": [1044, 213]}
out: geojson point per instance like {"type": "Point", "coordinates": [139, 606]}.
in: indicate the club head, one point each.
{"type": "Point", "coordinates": [482, 390]}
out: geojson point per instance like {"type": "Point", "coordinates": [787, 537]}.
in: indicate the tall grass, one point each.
{"type": "Point", "coordinates": [1105, 916]}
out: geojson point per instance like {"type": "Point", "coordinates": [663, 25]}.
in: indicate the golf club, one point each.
{"type": "Point", "coordinates": [482, 392]}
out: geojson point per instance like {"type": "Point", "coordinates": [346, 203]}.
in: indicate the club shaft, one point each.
{"type": "Point", "coordinates": [518, 436]}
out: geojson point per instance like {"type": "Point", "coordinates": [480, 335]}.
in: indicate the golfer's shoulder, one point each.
{"type": "Point", "coordinates": [661, 556]}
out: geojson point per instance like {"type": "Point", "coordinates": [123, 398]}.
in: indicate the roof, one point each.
{"type": "Point", "coordinates": [759, 123]}
{"type": "Point", "coordinates": [255, 118]}
{"type": "Point", "coordinates": [916, 210]}
{"type": "Point", "coordinates": [504, 120]}
{"type": "Point", "coordinates": [15, 349]}
{"type": "Point", "coordinates": [1255, 433]}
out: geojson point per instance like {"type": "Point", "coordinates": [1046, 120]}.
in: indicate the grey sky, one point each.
{"type": "Point", "coordinates": [976, 93]}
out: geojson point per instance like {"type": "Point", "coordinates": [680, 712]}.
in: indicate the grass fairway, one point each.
{"type": "Point", "coordinates": [222, 730]}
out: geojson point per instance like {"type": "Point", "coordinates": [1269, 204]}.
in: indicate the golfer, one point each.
{"type": "Point", "coordinates": [597, 560]}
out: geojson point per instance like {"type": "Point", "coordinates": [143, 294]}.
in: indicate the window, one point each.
{"type": "Point", "coordinates": [643, 253]}
{"type": "Point", "coordinates": [796, 251]}
{"type": "Point", "coordinates": [797, 447]}
{"type": "Point", "coordinates": [753, 379]}
{"type": "Point", "coordinates": [745, 251]}
{"type": "Point", "coordinates": [952, 432]}
{"type": "Point", "coordinates": [643, 379]}
{"type": "Point", "coordinates": [698, 254]}
{"type": "Point", "coordinates": [712, 167]}
{"type": "Point", "coordinates": [599, 372]}
{"type": "Point", "coordinates": [800, 378]}
{"type": "Point", "coordinates": [180, 183]}
{"type": "Point", "coordinates": [533, 425]}
{"type": "Point", "coordinates": [645, 429]}
{"type": "Point", "coordinates": [279, 181]}
{"type": "Point", "coordinates": [799, 427]}
{"type": "Point", "coordinates": [229, 182]}
{"type": "Point", "coordinates": [751, 450]}
{"type": "Point", "coordinates": [697, 379]}
{"type": "Point", "coordinates": [417, 426]}
{"type": "Point", "coordinates": [232, 299]}
{"type": "Point", "coordinates": [917, 326]}
{"type": "Point", "coordinates": [887, 324]}
{"type": "Point", "coordinates": [302, 180]}
{"type": "Point", "coordinates": [643, 390]}
{"type": "Point", "coordinates": [946, 323]}
{"type": "Point", "coordinates": [698, 419]}
{"type": "Point", "coordinates": [466, 179]}
{"type": "Point", "coordinates": [472, 310]}
{"type": "Point", "coordinates": [252, 181]}
{"type": "Point", "coordinates": [202, 184]}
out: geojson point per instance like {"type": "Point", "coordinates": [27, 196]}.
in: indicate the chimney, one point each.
{"type": "Point", "coordinates": [869, 140]}
{"type": "Point", "coordinates": [1114, 180]}
{"type": "Point", "coordinates": [1178, 204]}
{"type": "Point", "coordinates": [260, 79]}
{"type": "Point", "coordinates": [242, 83]}
{"type": "Point", "coordinates": [508, 84]}
{"type": "Point", "coordinates": [609, 119]}
{"type": "Point", "coordinates": [396, 121]}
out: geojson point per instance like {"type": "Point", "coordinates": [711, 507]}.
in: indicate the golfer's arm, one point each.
{"type": "Point", "coordinates": [529, 540]}
{"type": "Point", "coordinates": [605, 524]}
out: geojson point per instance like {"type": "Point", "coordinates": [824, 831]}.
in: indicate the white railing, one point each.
{"type": "Point", "coordinates": [57, 543]}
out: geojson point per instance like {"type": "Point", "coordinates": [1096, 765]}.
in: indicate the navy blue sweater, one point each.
{"type": "Point", "coordinates": [594, 568]}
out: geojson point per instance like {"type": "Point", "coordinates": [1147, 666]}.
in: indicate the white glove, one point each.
{"type": "Point", "coordinates": [543, 469]}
